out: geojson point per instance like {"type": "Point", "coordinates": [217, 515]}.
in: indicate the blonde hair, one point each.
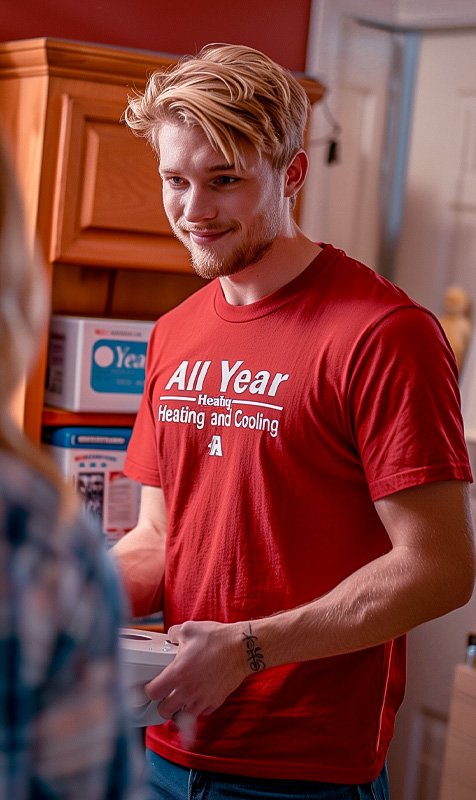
{"type": "Point", "coordinates": [235, 94]}
{"type": "Point", "coordinates": [23, 312]}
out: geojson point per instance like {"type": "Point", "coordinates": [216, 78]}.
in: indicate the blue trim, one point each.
{"type": "Point", "coordinates": [88, 438]}
{"type": "Point", "coordinates": [396, 144]}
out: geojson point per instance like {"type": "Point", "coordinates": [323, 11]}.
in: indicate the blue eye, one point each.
{"type": "Point", "coordinates": [175, 181]}
{"type": "Point", "coordinates": [226, 180]}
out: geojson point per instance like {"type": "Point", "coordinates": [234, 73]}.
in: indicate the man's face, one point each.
{"type": "Point", "coordinates": [227, 217]}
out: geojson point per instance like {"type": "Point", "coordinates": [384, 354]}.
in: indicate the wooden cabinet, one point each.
{"type": "Point", "coordinates": [92, 189]}
{"type": "Point", "coordinates": [459, 768]}
{"type": "Point", "coordinates": [107, 209]}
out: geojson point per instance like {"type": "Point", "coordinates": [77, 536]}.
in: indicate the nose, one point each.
{"type": "Point", "coordinates": [199, 205]}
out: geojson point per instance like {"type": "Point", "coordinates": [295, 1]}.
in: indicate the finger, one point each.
{"type": "Point", "coordinates": [159, 687]}
{"type": "Point", "coordinates": [187, 726]}
{"type": "Point", "coordinates": [173, 634]}
{"type": "Point", "coordinates": [170, 705]}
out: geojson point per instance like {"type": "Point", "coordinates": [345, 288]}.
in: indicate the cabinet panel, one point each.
{"type": "Point", "coordinates": [90, 291]}
{"type": "Point", "coordinates": [459, 768]}
{"type": "Point", "coordinates": [108, 196]}
{"type": "Point", "coordinates": [148, 295]}
{"type": "Point", "coordinates": [80, 290]}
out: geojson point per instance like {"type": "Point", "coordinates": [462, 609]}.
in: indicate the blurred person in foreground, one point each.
{"type": "Point", "coordinates": [64, 727]}
{"type": "Point", "coordinates": [300, 445]}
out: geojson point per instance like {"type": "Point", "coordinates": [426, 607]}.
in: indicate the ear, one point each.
{"type": "Point", "coordinates": [296, 174]}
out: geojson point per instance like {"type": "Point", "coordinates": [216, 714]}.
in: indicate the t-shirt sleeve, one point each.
{"type": "Point", "coordinates": [404, 405]}
{"type": "Point", "coordinates": [141, 462]}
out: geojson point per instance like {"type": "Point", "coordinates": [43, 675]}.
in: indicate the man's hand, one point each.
{"type": "Point", "coordinates": [212, 660]}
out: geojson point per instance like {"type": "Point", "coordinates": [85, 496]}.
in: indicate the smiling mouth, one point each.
{"type": "Point", "coordinates": [207, 236]}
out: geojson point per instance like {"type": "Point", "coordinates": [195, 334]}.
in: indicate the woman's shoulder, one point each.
{"type": "Point", "coordinates": [48, 539]}
{"type": "Point", "coordinates": [23, 487]}
{"type": "Point", "coordinates": [32, 508]}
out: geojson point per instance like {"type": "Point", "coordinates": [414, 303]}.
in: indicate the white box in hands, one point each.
{"type": "Point", "coordinates": [96, 364]}
{"type": "Point", "coordinates": [145, 654]}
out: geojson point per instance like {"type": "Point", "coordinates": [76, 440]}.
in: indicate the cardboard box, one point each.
{"type": "Point", "coordinates": [96, 364]}
{"type": "Point", "coordinates": [92, 459]}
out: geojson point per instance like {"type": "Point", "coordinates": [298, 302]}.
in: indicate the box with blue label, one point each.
{"type": "Point", "coordinates": [96, 364]}
{"type": "Point", "coordinates": [92, 459]}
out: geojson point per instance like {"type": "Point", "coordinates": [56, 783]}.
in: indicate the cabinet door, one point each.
{"type": "Point", "coordinates": [108, 196]}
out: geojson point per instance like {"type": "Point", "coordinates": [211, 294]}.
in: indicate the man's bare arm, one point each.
{"type": "Point", "coordinates": [140, 554]}
{"type": "Point", "coordinates": [428, 572]}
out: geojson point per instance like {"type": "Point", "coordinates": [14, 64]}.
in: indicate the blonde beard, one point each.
{"type": "Point", "coordinates": [209, 265]}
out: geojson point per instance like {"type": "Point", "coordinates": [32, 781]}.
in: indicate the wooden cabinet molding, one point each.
{"type": "Point", "coordinates": [69, 59]}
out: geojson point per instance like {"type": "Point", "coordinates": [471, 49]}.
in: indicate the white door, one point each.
{"type": "Point", "coordinates": [438, 241]}
{"type": "Point", "coordinates": [437, 248]}
{"type": "Point", "coordinates": [341, 200]}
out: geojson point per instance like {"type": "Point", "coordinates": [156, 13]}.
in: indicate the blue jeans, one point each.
{"type": "Point", "coordinates": [172, 782]}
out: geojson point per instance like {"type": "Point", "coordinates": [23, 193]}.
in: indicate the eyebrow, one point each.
{"type": "Point", "coordinates": [216, 168]}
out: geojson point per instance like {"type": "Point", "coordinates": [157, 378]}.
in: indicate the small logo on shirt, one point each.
{"type": "Point", "coordinates": [214, 446]}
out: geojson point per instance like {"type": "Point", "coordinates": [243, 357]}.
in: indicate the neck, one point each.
{"type": "Point", "coordinates": [284, 261]}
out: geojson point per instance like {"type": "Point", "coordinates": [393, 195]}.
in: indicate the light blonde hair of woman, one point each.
{"type": "Point", "coordinates": [23, 314]}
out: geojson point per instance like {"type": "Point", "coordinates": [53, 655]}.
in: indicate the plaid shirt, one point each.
{"type": "Point", "coordinates": [64, 727]}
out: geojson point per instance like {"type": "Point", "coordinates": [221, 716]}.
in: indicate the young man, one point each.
{"type": "Point", "coordinates": [300, 445]}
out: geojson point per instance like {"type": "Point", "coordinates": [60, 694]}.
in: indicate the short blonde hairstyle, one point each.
{"type": "Point", "coordinates": [236, 94]}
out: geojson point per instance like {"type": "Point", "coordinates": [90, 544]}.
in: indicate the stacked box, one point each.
{"type": "Point", "coordinates": [93, 460]}
{"type": "Point", "coordinates": [96, 364]}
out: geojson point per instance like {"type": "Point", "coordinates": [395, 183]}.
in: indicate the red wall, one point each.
{"type": "Point", "coordinates": [278, 27]}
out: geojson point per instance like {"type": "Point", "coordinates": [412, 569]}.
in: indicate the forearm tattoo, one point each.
{"type": "Point", "coordinates": [253, 651]}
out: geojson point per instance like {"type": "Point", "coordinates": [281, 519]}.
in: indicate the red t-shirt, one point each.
{"type": "Point", "coordinates": [272, 428]}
